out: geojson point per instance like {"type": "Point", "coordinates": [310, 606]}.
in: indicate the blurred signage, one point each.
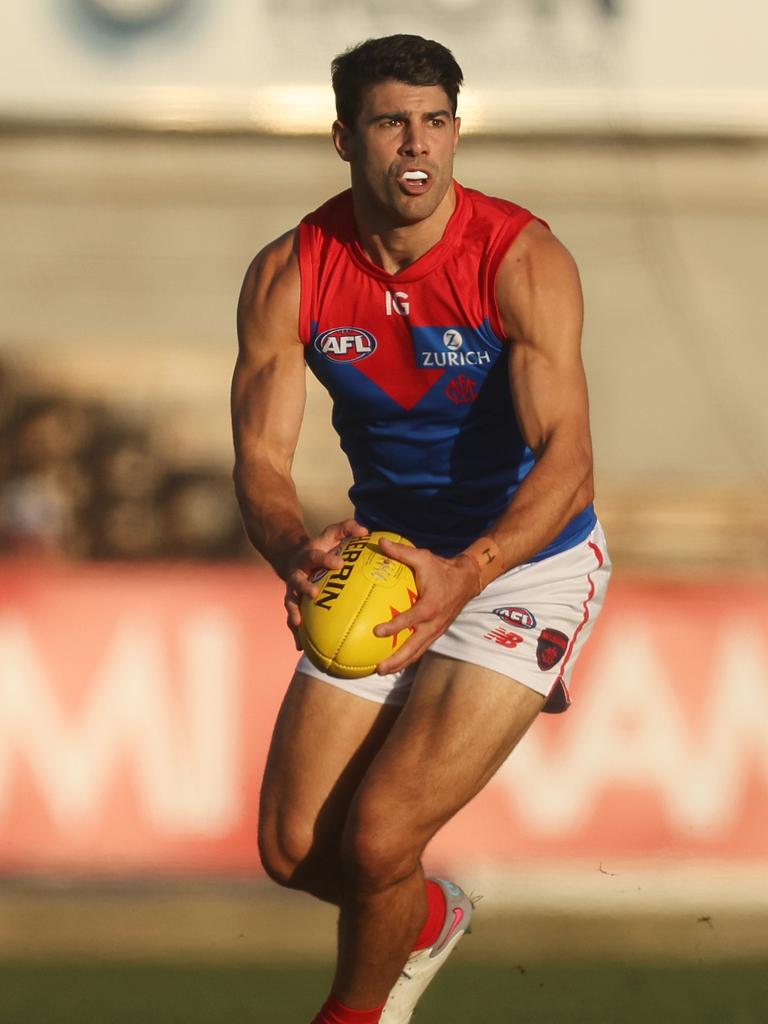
{"type": "Point", "coordinates": [136, 707]}
{"type": "Point", "coordinates": [136, 14]}
{"type": "Point", "coordinates": [664, 749]}
{"type": "Point", "coordinates": [560, 65]}
{"type": "Point", "coordinates": [134, 714]}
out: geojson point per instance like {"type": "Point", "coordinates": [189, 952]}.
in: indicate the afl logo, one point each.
{"type": "Point", "coordinates": [346, 344]}
{"type": "Point", "coordinates": [520, 617]}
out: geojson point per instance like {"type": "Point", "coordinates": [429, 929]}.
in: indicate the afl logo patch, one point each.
{"type": "Point", "coordinates": [516, 617]}
{"type": "Point", "coordinates": [346, 344]}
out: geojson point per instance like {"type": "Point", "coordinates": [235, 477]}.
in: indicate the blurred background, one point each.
{"type": "Point", "coordinates": [148, 149]}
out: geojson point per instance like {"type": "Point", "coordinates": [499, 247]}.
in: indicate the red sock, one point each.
{"type": "Point", "coordinates": [437, 909]}
{"type": "Point", "coordinates": [334, 1012]}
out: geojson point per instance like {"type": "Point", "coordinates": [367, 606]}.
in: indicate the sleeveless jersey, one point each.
{"type": "Point", "coordinates": [416, 365]}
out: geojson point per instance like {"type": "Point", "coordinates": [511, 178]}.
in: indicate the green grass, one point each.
{"type": "Point", "coordinates": [132, 993]}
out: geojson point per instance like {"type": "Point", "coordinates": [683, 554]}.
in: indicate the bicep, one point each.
{"type": "Point", "coordinates": [268, 384]}
{"type": "Point", "coordinates": [541, 304]}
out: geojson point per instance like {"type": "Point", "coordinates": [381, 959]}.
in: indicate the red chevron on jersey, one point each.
{"type": "Point", "coordinates": [397, 373]}
{"type": "Point", "coordinates": [394, 369]}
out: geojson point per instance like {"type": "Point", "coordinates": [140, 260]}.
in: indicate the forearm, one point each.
{"type": "Point", "coordinates": [557, 488]}
{"type": "Point", "coordinates": [271, 512]}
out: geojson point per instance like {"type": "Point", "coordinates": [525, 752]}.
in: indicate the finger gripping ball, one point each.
{"type": "Point", "coordinates": [336, 629]}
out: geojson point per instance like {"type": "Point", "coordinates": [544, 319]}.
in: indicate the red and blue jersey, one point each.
{"type": "Point", "coordinates": [416, 365]}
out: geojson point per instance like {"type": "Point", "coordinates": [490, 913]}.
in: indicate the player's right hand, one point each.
{"type": "Point", "coordinates": [313, 556]}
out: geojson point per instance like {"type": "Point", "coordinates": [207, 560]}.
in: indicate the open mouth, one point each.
{"type": "Point", "coordinates": [415, 182]}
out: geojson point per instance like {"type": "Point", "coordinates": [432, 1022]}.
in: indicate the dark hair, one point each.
{"type": "Point", "coordinates": [410, 59]}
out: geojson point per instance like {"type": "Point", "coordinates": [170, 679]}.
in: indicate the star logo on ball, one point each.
{"type": "Point", "coordinates": [394, 612]}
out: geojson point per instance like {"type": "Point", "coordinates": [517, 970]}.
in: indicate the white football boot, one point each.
{"type": "Point", "coordinates": [421, 967]}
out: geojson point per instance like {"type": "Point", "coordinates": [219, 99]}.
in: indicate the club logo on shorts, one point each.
{"type": "Point", "coordinates": [346, 344]}
{"type": "Point", "coordinates": [516, 617]}
{"type": "Point", "coordinates": [551, 646]}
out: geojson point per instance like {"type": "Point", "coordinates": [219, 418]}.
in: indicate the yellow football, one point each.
{"type": "Point", "coordinates": [336, 629]}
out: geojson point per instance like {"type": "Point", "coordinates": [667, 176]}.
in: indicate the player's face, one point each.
{"type": "Point", "coordinates": [401, 150]}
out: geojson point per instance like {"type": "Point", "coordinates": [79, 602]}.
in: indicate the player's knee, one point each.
{"type": "Point", "coordinates": [377, 856]}
{"type": "Point", "coordinates": [284, 850]}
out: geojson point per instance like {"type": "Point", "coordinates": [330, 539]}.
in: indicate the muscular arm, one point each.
{"type": "Point", "coordinates": [540, 302]}
{"type": "Point", "coordinates": [268, 395]}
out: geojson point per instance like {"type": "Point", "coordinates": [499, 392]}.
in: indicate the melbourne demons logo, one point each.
{"type": "Point", "coordinates": [346, 344]}
{"type": "Point", "coordinates": [462, 390]}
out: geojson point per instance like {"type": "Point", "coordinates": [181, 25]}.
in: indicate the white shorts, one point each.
{"type": "Point", "coordinates": [529, 624]}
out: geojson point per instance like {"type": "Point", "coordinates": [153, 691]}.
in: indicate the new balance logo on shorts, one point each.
{"type": "Point", "coordinates": [504, 637]}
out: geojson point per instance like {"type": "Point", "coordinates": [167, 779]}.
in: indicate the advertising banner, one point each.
{"type": "Point", "coordinates": [136, 706]}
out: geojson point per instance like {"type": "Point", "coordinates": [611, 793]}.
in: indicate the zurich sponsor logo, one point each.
{"type": "Point", "coordinates": [439, 360]}
{"type": "Point", "coordinates": [516, 617]}
{"type": "Point", "coordinates": [346, 344]}
{"type": "Point", "coordinates": [457, 350]}
{"type": "Point", "coordinates": [452, 339]}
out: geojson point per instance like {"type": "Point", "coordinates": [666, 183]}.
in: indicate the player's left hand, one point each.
{"type": "Point", "coordinates": [444, 585]}
{"type": "Point", "coordinates": [313, 554]}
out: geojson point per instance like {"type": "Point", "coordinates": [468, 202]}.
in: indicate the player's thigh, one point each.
{"type": "Point", "coordinates": [323, 742]}
{"type": "Point", "coordinates": [459, 725]}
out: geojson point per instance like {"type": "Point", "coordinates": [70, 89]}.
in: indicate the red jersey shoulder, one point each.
{"type": "Point", "coordinates": [334, 214]}
{"type": "Point", "coordinates": [324, 236]}
{"type": "Point", "coordinates": [492, 206]}
{"type": "Point", "coordinates": [491, 226]}
{"type": "Point", "coordinates": [492, 219]}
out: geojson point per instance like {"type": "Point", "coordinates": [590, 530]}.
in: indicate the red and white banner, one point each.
{"type": "Point", "coordinates": [136, 706]}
